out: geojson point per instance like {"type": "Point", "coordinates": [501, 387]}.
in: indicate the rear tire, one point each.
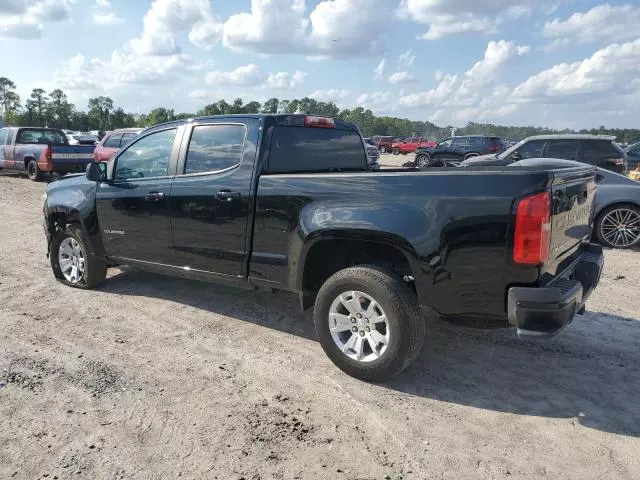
{"type": "Point", "coordinates": [33, 172]}
{"type": "Point", "coordinates": [396, 151]}
{"type": "Point", "coordinates": [607, 231]}
{"type": "Point", "coordinates": [403, 328]}
{"type": "Point", "coordinates": [94, 269]}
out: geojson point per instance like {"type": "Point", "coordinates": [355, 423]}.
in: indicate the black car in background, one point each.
{"type": "Point", "coordinates": [457, 149]}
{"type": "Point", "coordinates": [598, 150]}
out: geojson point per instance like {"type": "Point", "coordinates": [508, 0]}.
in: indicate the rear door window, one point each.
{"type": "Point", "coordinates": [215, 147]}
{"type": "Point", "coordinates": [300, 149]}
{"type": "Point", "coordinates": [599, 152]}
{"type": "Point", "coordinates": [461, 142]}
{"type": "Point", "coordinates": [3, 135]}
{"type": "Point", "coordinates": [563, 149]}
{"type": "Point", "coordinates": [113, 141]}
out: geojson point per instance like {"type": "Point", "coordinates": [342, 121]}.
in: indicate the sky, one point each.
{"type": "Point", "coordinates": [561, 64]}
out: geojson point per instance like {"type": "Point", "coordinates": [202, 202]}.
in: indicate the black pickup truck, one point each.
{"type": "Point", "coordinates": [288, 202]}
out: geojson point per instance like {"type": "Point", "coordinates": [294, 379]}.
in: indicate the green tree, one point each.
{"type": "Point", "coordinates": [59, 109]}
{"type": "Point", "coordinates": [38, 106]}
{"type": "Point", "coordinates": [271, 106]}
{"type": "Point", "coordinates": [9, 99]}
{"type": "Point", "coordinates": [160, 115]}
{"type": "Point", "coordinates": [100, 110]}
{"type": "Point", "coordinates": [253, 107]}
{"type": "Point", "coordinates": [237, 106]}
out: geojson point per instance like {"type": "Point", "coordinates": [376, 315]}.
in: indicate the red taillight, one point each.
{"type": "Point", "coordinates": [319, 122]}
{"type": "Point", "coordinates": [618, 161]}
{"type": "Point", "coordinates": [533, 230]}
{"type": "Point", "coordinates": [46, 154]}
{"type": "Point", "coordinates": [493, 149]}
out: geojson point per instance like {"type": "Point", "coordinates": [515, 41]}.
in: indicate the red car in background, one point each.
{"type": "Point", "coordinates": [383, 143]}
{"type": "Point", "coordinates": [114, 141]}
{"type": "Point", "coordinates": [410, 144]}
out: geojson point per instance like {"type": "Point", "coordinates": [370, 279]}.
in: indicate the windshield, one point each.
{"type": "Point", "coordinates": [509, 151]}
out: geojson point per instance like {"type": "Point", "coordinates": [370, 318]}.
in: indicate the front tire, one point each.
{"type": "Point", "coordinates": [369, 322]}
{"type": "Point", "coordinates": [423, 161]}
{"type": "Point", "coordinates": [618, 226]}
{"type": "Point", "coordinates": [72, 262]}
{"type": "Point", "coordinates": [33, 172]}
{"type": "Point", "coordinates": [396, 151]}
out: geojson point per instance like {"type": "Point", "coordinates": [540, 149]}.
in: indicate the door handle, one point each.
{"type": "Point", "coordinates": [154, 196]}
{"type": "Point", "coordinates": [227, 195]}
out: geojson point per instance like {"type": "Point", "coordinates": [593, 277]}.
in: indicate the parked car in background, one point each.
{"type": "Point", "coordinates": [632, 157]}
{"type": "Point", "coordinates": [289, 202]}
{"type": "Point", "coordinates": [616, 206]}
{"type": "Point", "coordinates": [82, 139]}
{"type": "Point", "coordinates": [598, 150]}
{"type": "Point", "coordinates": [410, 145]}
{"type": "Point", "coordinates": [114, 141]}
{"type": "Point", "coordinates": [383, 143]}
{"type": "Point", "coordinates": [373, 154]}
{"type": "Point", "coordinates": [456, 149]}
{"type": "Point", "coordinates": [37, 150]}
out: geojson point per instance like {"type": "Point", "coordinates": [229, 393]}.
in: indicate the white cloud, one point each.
{"type": "Point", "coordinates": [121, 69]}
{"type": "Point", "coordinates": [167, 18]}
{"type": "Point", "coordinates": [608, 71]}
{"type": "Point", "coordinates": [331, 95]}
{"type": "Point", "coordinates": [247, 75]}
{"type": "Point", "coordinates": [379, 70]}
{"type": "Point", "coordinates": [250, 75]}
{"type": "Point", "coordinates": [374, 101]}
{"type": "Point", "coordinates": [335, 28]}
{"type": "Point", "coordinates": [199, 94]}
{"type": "Point", "coordinates": [473, 94]}
{"type": "Point", "coordinates": [103, 14]}
{"type": "Point", "coordinates": [604, 23]}
{"type": "Point", "coordinates": [407, 59]}
{"type": "Point", "coordinates": [26, 19]}
{"type": "Point", "coordinates": [285, 80]}
{"type": "Point", "coordinates": [449, 17]}
{"type": "Point", "coordinates": [400, 77]}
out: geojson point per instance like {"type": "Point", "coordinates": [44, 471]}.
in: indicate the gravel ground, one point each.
{"type": "Point", "coordinates": [150, 377]}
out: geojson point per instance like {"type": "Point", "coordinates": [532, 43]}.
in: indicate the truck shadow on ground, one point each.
{"type": "Point", "coordinates": [589, 375]}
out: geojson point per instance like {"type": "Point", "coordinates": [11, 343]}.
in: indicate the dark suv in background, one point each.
{"type": "Point", "coordinates": [598, 150]}
{"type": "Point", "coordinates": [457, 149]}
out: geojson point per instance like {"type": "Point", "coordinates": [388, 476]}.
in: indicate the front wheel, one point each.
{"type": "Point", "coordinates": [618, 226]}
{"type": "Point", "coordinates": [71, 262]}
{"type": "Point", "coordinates": [369, 322]}
{"type": "Point", "coordinates": [396, 151]}
{"type": "Point", "coordinates": [33, 172]}
{"type": "Point", "coordinates": [423, 161]}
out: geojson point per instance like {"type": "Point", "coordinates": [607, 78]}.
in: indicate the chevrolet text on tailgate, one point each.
{"type": "Point", "coordinates": [288, 202]}
{"type": "Point", "coordinates": [41, 150]}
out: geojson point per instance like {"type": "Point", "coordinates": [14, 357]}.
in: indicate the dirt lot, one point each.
{"type": "Point", "coordinates": [154, 378]}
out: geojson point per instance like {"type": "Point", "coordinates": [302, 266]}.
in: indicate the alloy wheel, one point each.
{"type": "Point", "coordinates": [359, 326]}
{"type": "Point", "coordinates": [621, 227]}
{"type": "Point", "coordinates": [71, 260]}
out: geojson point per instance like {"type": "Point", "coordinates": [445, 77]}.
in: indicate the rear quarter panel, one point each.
{"type": "Point", "coordinates": [452, 225]}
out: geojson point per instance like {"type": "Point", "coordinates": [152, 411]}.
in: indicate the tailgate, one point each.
{"type": "Point", "coordinates": [72, 154]}
{"type": "Point", "coordinates": [572, 196]}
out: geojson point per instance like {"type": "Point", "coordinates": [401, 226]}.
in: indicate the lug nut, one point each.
{"type": "Point", "coordinates": [359, 315]}
{"type": "Point", "coordinates": [353, 319]}
{"type": "Point", "coordinates": [354, 329]}
{"type": "Point", "coordinates": [368, 329]}
{"type": "Point", "coordinates": [366, 320]}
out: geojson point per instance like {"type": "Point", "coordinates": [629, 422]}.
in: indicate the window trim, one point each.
{"type": "Point", "coordinates": [183, 162]}
{"type": "Point", "coordinates": [170, 169]}
{"type": "Point", "coordinates": [549, 144]}
{"type": "Point", "coordinates": [122, 138]}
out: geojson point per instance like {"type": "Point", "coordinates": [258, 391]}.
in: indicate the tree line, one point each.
{"type": "Point", "coordinates": [53, 109]}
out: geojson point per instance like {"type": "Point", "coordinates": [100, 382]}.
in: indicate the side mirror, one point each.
{"type": "Point", "coordinates": [97, 172]}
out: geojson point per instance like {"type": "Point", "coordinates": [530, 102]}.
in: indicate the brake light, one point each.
{"type": "Point", "coordinates": [618, 161]}
{"type": "Point", "coordinates": [533, 230]}
{"type": "Point", "coordinates": [319, 122]}
{"type": "Point", "coordinates": [493, 148]}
